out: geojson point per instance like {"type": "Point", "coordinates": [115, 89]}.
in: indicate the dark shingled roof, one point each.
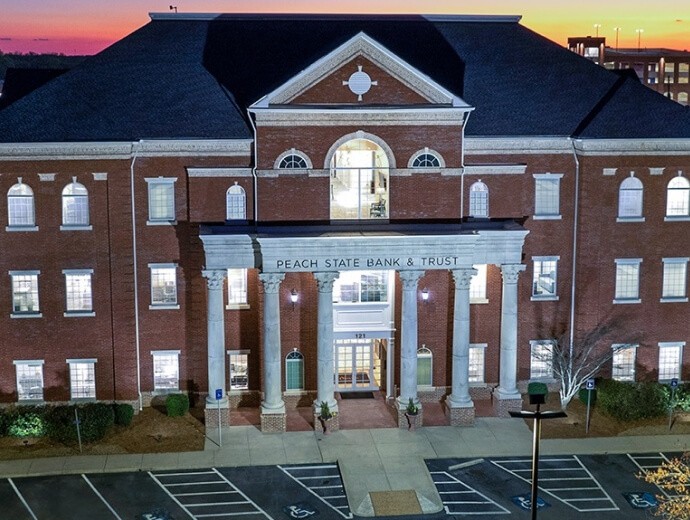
{"type": "Point", "coordinates": [19, 82]}
{"type": "Point", "coordinates": [180, 77]}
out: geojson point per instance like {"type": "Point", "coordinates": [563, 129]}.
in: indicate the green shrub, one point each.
{"type": "Point", "coordinates": [177, 405]}
{"type": "Point", "coordinates": [4, 422]}
{"type": "Point", "coordinates": [582, 396]}
{"type": "Point", "coordinates": [95, 419]}
{"type": "Point", "coordinates": [123, 414]}
{"type": "Point", "coordinates": [630, 401]}
{"type": "Point", "coordinates": [25, 421]}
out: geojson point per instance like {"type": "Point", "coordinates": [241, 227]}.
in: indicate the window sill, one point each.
{"type": "Point", "coordinates": [161, 222]}
{"type": "Point", "coordinates": [478, 301]}
{"type": "Point", "coordinates": [673, 300]}
{"type": "Point", "coordinates": [549, 298]}
{"type": "Point", "coordinates": [679, 218]}
{"type": "Point", "coordinates": [76, 228]}
{"type": "Point", "coordinates": [21, 228]}
{"type": "Point", "coordinates": [76, 314]}
{"type": "Point", "coordinates": [162, 307]}
{"type": "Point", "coordinates": [631, 300]}
{"type": "Point", "coordinates": [79, 400]}
{"type": "Point", "coordinates": [239, 391]}
{"type": "Point", "coordinates": [236, 306]}
{"type": "Point", "coordinates": [30, 401]}
{"type": "Point", "coordinates": [630, 219]}
{"type": "Point", "coordinates": [26, 315]}
{"type": "Point", "coordinates": [547, 217]}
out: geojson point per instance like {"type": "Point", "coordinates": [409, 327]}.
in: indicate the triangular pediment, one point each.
{"type": "Point", "coordinates": [361, 71]}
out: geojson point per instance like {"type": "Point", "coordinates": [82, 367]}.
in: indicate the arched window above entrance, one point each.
{"type": "Point", "coordinates": [479, 200]}
{"type": "Point", "coordinates": [235, 203]}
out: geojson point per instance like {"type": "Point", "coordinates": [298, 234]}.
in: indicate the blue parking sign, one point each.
{"type": "Point", "coordinates": [219, 394]}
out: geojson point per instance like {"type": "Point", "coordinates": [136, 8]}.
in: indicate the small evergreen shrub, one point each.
{"type": "Point", "coordinates": [582, 396]}
{"type": "Point", "coordinates": [629, 401]}
{"type": "Point", "coordinates": [4, 420]}
{"type": "Point", "coordinates": [176, 405]}
{"type": "Point", "coordinates": [123, 414]}
{"type": "Point", "coordinates": [25, 421]}
{"type": "Point", "coordinates": [95, 419]}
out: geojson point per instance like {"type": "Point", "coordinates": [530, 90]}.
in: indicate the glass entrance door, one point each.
{"type": "Point", "coordinates": [357, 364]}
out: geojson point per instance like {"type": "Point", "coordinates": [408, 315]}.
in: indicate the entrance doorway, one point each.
{"type": "Point", "coordinates": [358, 363]}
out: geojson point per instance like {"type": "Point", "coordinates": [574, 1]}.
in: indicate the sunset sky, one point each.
{"type": "Point", "coordinates": [88, 26]}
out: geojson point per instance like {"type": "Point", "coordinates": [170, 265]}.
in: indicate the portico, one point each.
{"type": "Point", "coordinates": [408, 249]}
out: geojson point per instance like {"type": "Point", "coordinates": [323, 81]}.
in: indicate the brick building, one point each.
{"type": "Point", "coordinates": [288, 208]}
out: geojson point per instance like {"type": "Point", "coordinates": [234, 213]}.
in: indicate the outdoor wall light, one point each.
{"type": "Point", "coordinates": [425, 295]}
{"type": "Point", "coordinates": [294, 296]}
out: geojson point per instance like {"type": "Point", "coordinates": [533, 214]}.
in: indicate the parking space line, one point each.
{"type": "Point", "coordinates": [21, 497]}
{"type": "Point", "coordinates": [101, 497]}
{"type": "Point", "coordinates": [659, 458]}
{"type": "Point", "coordinates": [453, 486]}
{"type": "Point", "coordinates": [333, 472]}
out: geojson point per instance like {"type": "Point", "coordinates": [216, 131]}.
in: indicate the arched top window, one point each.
{"type": "Point", "coordinates": [20, 205]}
{"type": "Point", "coordinates": [235, 203]}
{"type": "Point", "coordinates": [426, 158]}
{"type": "Point", "coordinates": [424, 367]}
{"type": "Point", "coordinates": [293, 160]}
{"type": "Point", "coordinates": [294, 371]}
{"type": "Point", "coordinates": [678, 197]}
{"type": "Point", "coordinates": [479, 200]}
{"type": "Point", "coordinates": [75, 204]}
{"type": "Point", "coordinates": [630, 198]}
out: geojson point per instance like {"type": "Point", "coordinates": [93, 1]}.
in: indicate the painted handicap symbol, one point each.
{"type": "Point", "coordinates": [525, 502]}
{"type": "Point", "coordinates": [300, 510]}
{"type": "Point", "coordinates": [640, 500]}
{"type": "Point", "coordinates": [157, 514]}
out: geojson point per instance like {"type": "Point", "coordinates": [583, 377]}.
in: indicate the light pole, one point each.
{"type": "Point", "coordinates": [537, 399]}
{"type": "Point", "coordinates": [617, 29]}
{"type": "Point", "coordinates": [639, 37]}
{"type": "Point", "coordinates": [596, 26]}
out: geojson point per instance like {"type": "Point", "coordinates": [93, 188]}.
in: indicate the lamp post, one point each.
{"type": "Point", "coordinates": [639, 37]}
{"type": "Point", "coordinates": [596, 26]}
{"type": "Point", "coordinates": [617, 29]}
{"type": "Point", "coordinates": [538, 416]}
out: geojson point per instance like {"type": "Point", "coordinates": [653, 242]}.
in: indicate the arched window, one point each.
{"type": "Point", "coordinates": [630, 198]}
{"type": "Point", "coordinates": [293, 162]}
{"type": "Point", "coordinates": [235, 203]}
{"type": "Point", "coordinates": [20, 205]}
{"type": "Point", "coordinates": [479, 200]}
{"type": "Point", "coordinates": [678, 197]}
{"type": "Point", "coordinates": [294, 371]}
{"type": "Point", "coordinates": [424, 367]}
{"type": "Point", "coordinates": [426, 158]}
{"type": "Point", "coordinates": [75, 204]}
{"type": "Point", "coordinates": [682, 98]}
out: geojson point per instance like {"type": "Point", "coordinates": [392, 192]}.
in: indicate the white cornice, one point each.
{"type": "Point", "coordinates": [219, 172]}
{"type": "Point", "coordinates": [632, 146]}
{"type": "Point", "coordinates": [495, 169]}
{"type": "Point", "coordinates": [372, 117]}
{"type": "Point", "coordinates": [516, 145]}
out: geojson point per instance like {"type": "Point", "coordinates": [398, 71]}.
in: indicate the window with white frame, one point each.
{"type": "Point", "coordinates": [161, 200]}
{"type": "Point", "coordinates": [239, 369]}
{"type": "Point", "coordinates": [678, 198]}
{"type": "Point", "coordinates": [29, 379]}
{"type": "Point", "coordinates": [163, 285]}
{"type": "Point", "coordinates": [237, 287]}
{"type": "Point", "coordinates": [623, 362]}
{"type": "Point", "coordinates": [425, 159]}
{"type": "Point", "coordinates": [25, 292]}
{"type": "Point", "coordinates": [674, 287]}
{"type": "Point", "coordinates": [547, 188]}
{"type": "Point", "coordinates": [478, 285]}
{"type": "Point", "coordinates": [20, 206]}
{"type": "Point", "coordinates": [78, 297]}
{"type": "Point", "coordinates": [292, 161]}
{"type": "Point", "coordinates": [294, 371]}
{"type": "Point", "coordinates": [82, 378]}
{"type": "Point", "coordinates": [670, 357]}
{"type": "Point", "coordinates": [235, 203]}
{"type": "Point", "coordinates": [75, 205]}
{"type": "Point", "coordinates": [630, 196]}
{"type": "Point", "coordinates": [477, 356]}
{"type": "Point", "coordinates": [424, 367]}
{"type": "Point", "coordinates": [541, 360]}
{"type": "Point", "coordinates": [545, 279]}
{"type": "Point", "coordinates": [479, 200]}
{"type": "Point", "coordinates": [627, 280]}
{"type": "Point", "coordinates": [166, 370]}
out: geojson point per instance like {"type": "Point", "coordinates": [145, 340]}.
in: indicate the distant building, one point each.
{"type": "Point", "coordinates": [666, 71]}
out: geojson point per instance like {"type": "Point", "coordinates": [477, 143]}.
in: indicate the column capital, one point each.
{"type": "Point", "coordinates": [214, 277]}
{"type": "Point", "coordinates": [510, 272]}
{"type": "Point", "coordinates": [271, 281]}
{"type": "Point", "coordinates": [410, 279]}
{"type": "Point", "coordinates": [324, 281]}
{"type": "Point", "coordinates": [463, 277]}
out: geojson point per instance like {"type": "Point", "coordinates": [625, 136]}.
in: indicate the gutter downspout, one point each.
{"type": "Point", "coordinates": [256, 165]}
{"type": "Point", "coordinates": [462, 166]}
{"type": "Point", "coordinates": [574, 256]}
{"type": "Point", "coordinates": [136, 145]}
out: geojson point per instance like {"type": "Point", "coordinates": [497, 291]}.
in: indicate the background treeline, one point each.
{"type": "Point", "coordinates": [32, 60]}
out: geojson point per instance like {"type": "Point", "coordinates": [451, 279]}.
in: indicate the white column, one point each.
{"type": "Point", "coordinates": [460, 394]}
{"type": "Point", "coordinates": [507, 388]}
{"type": "Point", "coordinates": [215, 330]}
{"type": "Point", "coordinates": [408, 338]}
{"type": "Point", "coordinates": [273, 399]}
{"type": "Point", "coordinates": [325, 389]}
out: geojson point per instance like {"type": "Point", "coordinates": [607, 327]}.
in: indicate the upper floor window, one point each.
{"type": "Point", "coordinates": [630, 199]}
{"type": "Point", "coordinates": [426, 158]}
{"type": "Point", "coordinates": [545, 278]}
{"type": "Point", "coordinates": [163, 286]}
{"type": "Point", "coordinates": [20, 206]}
{"type": "Point", "coordinates": [478, 285]}
{"type": "Point", "coordinates": [678, 197]}
{"type": "Point", "coordinates": [293, 161]}
{"type": "Point", "coordinates": [237, 287]}
{"type": "Point", "coordinates": [547, 195]}
{"type": "Point", "coordinates": [479, 200]}
{"type": "Point", "coordinates": [294, 371]}
{"type": "Point", "coordinates": [161, 200]}
{"type": "Point", "coordinates": [235, 203]}
{"type": "Point", "coordinates": [78, 291]}
{"type": "Point", "coordinates": [425, 373]}
{"type": "Point", "coordinates": [361, 286]}
{"type": "Point", "coordinates": [674, 287]}
{"type": "Point", "coordinates": [75, 205]}
{"type": "Point", "coordinates": [25, 293]}
{"type": "Point", "coordinates": [627, 280]}
{"type": "Point", "coordinates": [29, 379]}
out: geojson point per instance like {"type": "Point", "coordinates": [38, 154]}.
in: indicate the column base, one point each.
{"type": "Point", "coordinates": [211, 415]}
{"type": "Point", "coordinates": [273, 422]}
{"type": "Point", "coordinates": [333, 424]}
{"type": "Point", "coordinates": [461, 415]}
{"type": "Point", "coordinates": [410, 422]}
{"type": "Point", "coordinates": [504, 403]}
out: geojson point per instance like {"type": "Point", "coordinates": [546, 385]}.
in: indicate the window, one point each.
{"type": "Point", "coordinates": [652, 72]}
{"type": "Point", "coordinates": [294, 371]}
{"type": "Point", "coordinates": [426, 159]}
{"type": "Point", "coordinates": [20, 206]}
{"type": "Point", "coordinates": [25, 293]}
{"type": "Point", "coordinates": [163, 286]}
{"type": "Point", "coordinates": [479, 200]}
{"type": "Point", "coordinates": [623, 363]}
{"type": "Point", "coordinates": [683, 98]}
{"type": "Point", "coordinates": [678, 198]}
{"type": "Point", "coordinates": [683, 74]}
{"type": "Point", "coordinates": [670, 356]}
{"type": "Point", "coordinates": [166, 370]}
{"type": "Point", "coordinates": [235, 203]}
{"type": "Point", "coordinates": [478, 285]}
{"type": "Point", "coordinates": [75, 205]}
{"type": "Point", "coordinates": [477, 355]}
{"type": "Point", "coordinates": [544, 280]}
{"type": "Point", "coordinates": [161, 200]}
{"type": "Point", "coordinates": [239, 373]}
{"type": "Point", "coordinates": [674, 286]}
{"type": "Point", "coordinates": [627, 280]}
{"type": "Point", "coordinates": [237, 287]}
{"type": "Point", "coordinates": [361, 286]}
{"type": "Point", "coordinates": [630, 199]}
{"type": "Point", "coordinates": [293, 161]}
{"type": "Point", "coordinates": [82, 378]}
{"type": "Point", "coordinates": [541, 360]}
{"type": "Point", "coordinates": [78, 291]}
{"type": "Point", "coordinates": [29, 380]}
{"type": "Point", "coordinates": [424, 367]}
{"type": "Point", "coordinates": [547, 196]}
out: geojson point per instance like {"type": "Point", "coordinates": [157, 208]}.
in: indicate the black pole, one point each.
{"type": "Point", "coordinates": [535, 462]}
